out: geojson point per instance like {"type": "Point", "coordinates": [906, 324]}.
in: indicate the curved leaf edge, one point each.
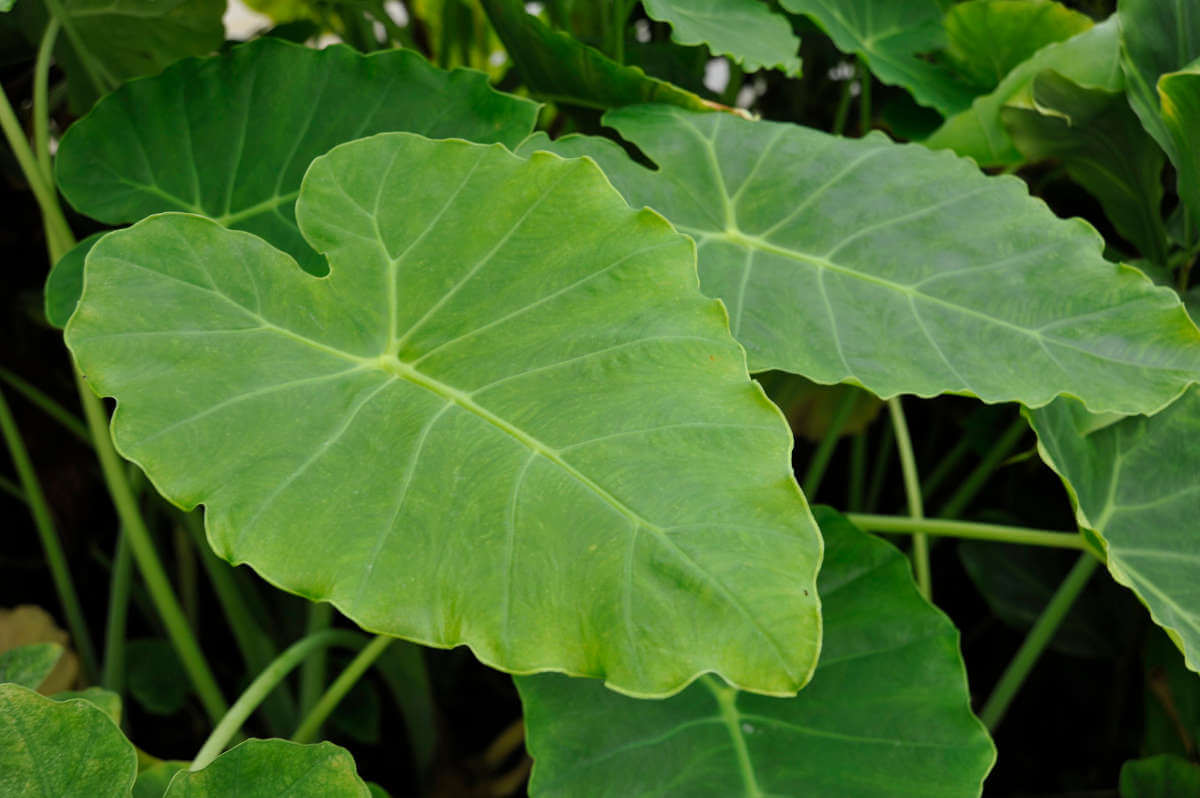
{"type": "Point", "coordinates": [489, 661]}
{"type": "Point", "coordinates": [791, 68]}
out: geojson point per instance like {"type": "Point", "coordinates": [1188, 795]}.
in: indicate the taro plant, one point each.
{"type": "Point", "coordinates": [532, 366]}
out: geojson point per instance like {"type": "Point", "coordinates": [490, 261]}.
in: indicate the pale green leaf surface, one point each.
{"type": "Point", "coordinates": [273, 769]}
{"type": "Point", "coordinates": [1136, 484]}
{"type": "Point", "coordinates": [987, 39]}
{"type": "Point", "coordinates": [890, 35]}
{"type": "Point", "coordinates": [747, 31]}
{"type": "Point", "coordinates": [1104, 149]}
{"type": "Point", "coordinates": [29, 665]}
{"type": "Point", "coordinates": [61, 749]}
{"type": "Point", "coordinates": [1179, 97]}
{"type": "Point", "coordinates": [1159, 37]}
{"type": "Point", "coordinates": [508, 418]}
{"type": "Point", "coordinates": [1164, 776]}
{"type": "Point", "coordinates": [558, 67]}
{"type": "Point", "coordinates": [899, 269]}
{"type": "Point", "coordinates": [230, 137]}
{"type": "Point", "coordinates": [887, 714]}
{"type": "Point", "coordinates": [1090, 59]}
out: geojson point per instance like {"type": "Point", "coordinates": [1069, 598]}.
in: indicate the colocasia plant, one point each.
{"type": "Point", "coordinates": [506, 339]}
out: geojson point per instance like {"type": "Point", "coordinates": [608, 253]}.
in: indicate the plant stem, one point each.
{"type": "Point", "coordinates": [41, 103]}
{"type": "Point", "coordinates": [312, 673]}
{"type": "Point", "coordinates": [970, 530]}
{"type": "Point", "coordinates": [820, 458]}
{"type": "Point", "coordinates": [13, 489]}
{"type": "Point", "coordinates": [47, 405]}
{"type": "Point", "coordinates": [1036, 641]}
{"type": "Point", "coordinates": [262, 686]}
{"type": "Point", "coordinates": [858, 470]}
{"type": "Point", "coordinates": [864, 98]}
{"type": "Point", "coordinates": [306, 732]}
{"type": "Point", "coordinates": [945, 467]}
{"type": "Point", "coordinates": [56, 559]}
{"type": "Point", "coordinates": [118, 611]}
{"type": "Point", "coordinates": [978, 477]}
{"type": "Point", "coordinates": [58, 232]}
{"type": "Point", "coordinates": [912, 489]}
{"type": "Point", "coordinates": [843, 107]}
{"type": "Point", "coordinates": [883, 459]}
{"type": "Point", "coordinates": [147, 558]}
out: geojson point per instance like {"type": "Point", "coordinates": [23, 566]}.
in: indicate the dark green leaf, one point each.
{"type": "Point", "coordinates": [156, 678]}
{"type": "Point", "coordinates": [1136, 484]}
{"type": "Point", "coordinates": [1171, 722]}
{"type": "Point", "coordinates": [1179, 93]}
{"type": "Point", "coordinates": [29, 665]}
{"type": "Point", "coordinates": [891, 35]}
{"type": "Point", "coordinates": [898, 269]}
{"type": "Point", "coordinates": [230, 137]}
{"type": "Point", "coordinates": [1160, 777]}
{"type": "Point", "coordinates": [60, 749]}
{"type": "Point", "coordinates": [560, 68]}
{"type": "Point", "coordinates": [65, 282]}
{"type": "Point", "coordinates": [1104, 149]}
{"type": "Point", "coordinates": [747, 31]}
{"type": "Point", "coordinates": [507, 418]}
{"type": "Point", "coordinates": [273, 769]}
{"type": "Point", "coordinates": [887, 714]}
{"type": "Point", "coordinates": [987, 39]}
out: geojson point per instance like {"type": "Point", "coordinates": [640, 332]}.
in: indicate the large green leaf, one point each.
{"type": "Point", "coordinates": [748, 31]}
{"type": "Point", "coordinates": [1159, 38]}
{"type": "Point", "coordinates": [1104, 149]}
{"type": "Point", "coordinates": [230, 137]}
{"type": "Point", "coordinates": [887, 714]}
{"type": "Point", "coordinates": [1163, 776]}
{"type": "Point", "coordinates": [1179, 94]}
{"type": "Point", "coordinates": [29, 665]}
{"type": "Point", "coordinates": [1136, 484]}
{"type": "Point", "coordinates": [507, 418]}
{"type": "Point", "coordinates": [1089, 59]}
{"type": "Point", "coordinates": [558, 67]}
{"type": "Point", "coordinates": [60, 749]}
{"type": "Point", "coordinates": [107, 42]}
{"type": "Point", "coordinates": [899, 269]}
{"type": "Point", "coordinates": [273, 769]}
{"type": "Point", "coordinates": [987, 39]}
{"type": "Point", "coordinates": [891, 35]}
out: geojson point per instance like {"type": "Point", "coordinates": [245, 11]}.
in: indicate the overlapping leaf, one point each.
{"type": "Point", "coordinates": [557, 67]}
{"type": "Point", "coordinates": [60, 749]}
{"type": "Point", "coordinates": [507, 418]}
{"type": "Point", "coordinates": [987, 39]}
{"type": "Point", "coordinates": [1136, 484]}
{"type": "Point", "coordinates": [230, 137]}
{"type": "Point", "coordinates": [1089, 59]}
{"type": "Point", "coordinates": [1163, 776]}
{"type": "Point", "coordinates": [29, 665]}
{"type": "Point", "coordinates": [1104, 148]}
{"type": "Point", "coordinates": [1159, 39]}
{"type": "Point", "coordinates": [902, 270]}
{"type": "Point", "coordinates": [273, 769]}
{"type": "Point", "coordinates": [747, 31]}
{"type": "Point", "coordinates": [887, 714]}
{"type": "Point", "coordinates": [891, 35]}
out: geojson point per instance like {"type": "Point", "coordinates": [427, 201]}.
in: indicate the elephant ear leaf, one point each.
{"type": "Point", "coordinates": [711, 741]}
{"type": "Point", "coordinates": [1135, 485]}
{"type": "Point", "coordinates": [506, 418]}
{"type": "Point", "coordinates": [747, 31]}
{"type": "Point", "coordinates": [273, 769]}
{"type": "Point", "coordinates": [820, 248]}
{"type": "Point", "coordinates": [61, 749]}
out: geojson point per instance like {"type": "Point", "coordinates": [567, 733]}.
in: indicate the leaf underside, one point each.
{"type": "Point", "coordinates": [1136, 484]}
{"type": "Point", "coordinates": [887, 714]}
{"type": "Point", "coordinates": [507, 418]}
{"type": "Point", "coordinates": [899, 269]}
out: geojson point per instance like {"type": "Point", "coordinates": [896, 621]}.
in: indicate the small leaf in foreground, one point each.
{"type": "Point", "coordinates": [898, 269]}
{"type": "Point", "coordinates": [1136, 484]}
{"type": "Point", "coordinates": [478, 428]}
{"type": "Point", "coordinates": [273, 769]}
{"type": "Point", "coordinates": [748, 31]}
{"type": "Point", "coordinates": [67, 749]}
{"type": "Point", "coordinates": [29, 665]}
{"type": "Point", "coordinates": [887, 714]}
